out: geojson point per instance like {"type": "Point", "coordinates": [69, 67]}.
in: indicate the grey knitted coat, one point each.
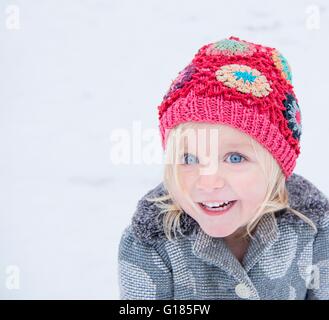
{"type": "Point", "coordinates": [286, 260]}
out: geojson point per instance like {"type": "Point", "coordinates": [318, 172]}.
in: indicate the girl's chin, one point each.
{"type": "Point", "coordinates": [217, 233]}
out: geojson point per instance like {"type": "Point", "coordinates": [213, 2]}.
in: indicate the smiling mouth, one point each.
{"type": "Point", "coordinates": [217, 210]}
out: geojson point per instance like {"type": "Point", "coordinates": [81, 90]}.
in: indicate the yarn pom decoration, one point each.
{"type": "Point", "coordinates": [183, 76]}
{"type": "Point", "coordinates": [231, 47]}
{"type": "Point", "coordinates": [282, 64]}
{"type": "Point", "coordinates": [293, 115]}
{"type": "Point", "coordinates": [244, 79]}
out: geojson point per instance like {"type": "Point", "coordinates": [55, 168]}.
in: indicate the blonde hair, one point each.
{"type": "Point", "coordinates": [276, 197]}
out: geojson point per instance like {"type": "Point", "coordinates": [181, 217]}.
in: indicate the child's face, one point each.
{"type": "Point", "coordinates": [230, 173]}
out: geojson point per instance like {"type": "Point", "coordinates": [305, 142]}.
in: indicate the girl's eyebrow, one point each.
{"type": "Point", "coordinates": [238, 144]}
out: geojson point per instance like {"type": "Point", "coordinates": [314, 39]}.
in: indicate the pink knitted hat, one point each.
{"type": "Point", "coordinates": [241, 84]}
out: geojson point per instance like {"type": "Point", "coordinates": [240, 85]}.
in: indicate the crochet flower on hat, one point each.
{"type": "Point", "coordinates": [230, 47]}
{"type": "Point", "coordinates": [282, 64]}
{"type": "Point", "coordinates": [293, 115]}
{"type": "Point", "coordinates": [183, 76]}
{"type": "Point", "coordinates": [244, 79]}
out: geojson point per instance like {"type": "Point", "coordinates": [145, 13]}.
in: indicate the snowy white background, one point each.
{"type": "Point", "coordinates": [75, 71]}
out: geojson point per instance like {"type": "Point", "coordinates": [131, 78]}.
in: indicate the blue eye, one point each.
{"type": "Point", "coordinates": [236, 157]}
{"type": "Point", "coordinates": [190, 159]}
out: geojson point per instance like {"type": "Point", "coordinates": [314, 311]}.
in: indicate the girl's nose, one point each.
{"type": "Point", "coordinates": [210, 182]}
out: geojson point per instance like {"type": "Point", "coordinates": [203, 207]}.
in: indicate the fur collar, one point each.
{"type": "Point", "coordinates": [147, 224]}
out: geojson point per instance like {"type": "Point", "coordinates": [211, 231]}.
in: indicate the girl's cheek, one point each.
{"type": "Point", "coordinates": [188, 170]}
{"type": "Point", "coordinates": [188, 175]}
{"type": "Point", "coordinates": [252, 189]}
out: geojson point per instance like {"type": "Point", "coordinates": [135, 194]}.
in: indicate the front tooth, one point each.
{"type": "Point", "coordinates": [215, 204]}
{"type": "Point", "coordinates": [212, 204]}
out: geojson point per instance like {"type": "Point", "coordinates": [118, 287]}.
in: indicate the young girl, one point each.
{"type": "Point", "coordinates": [230, 220]}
